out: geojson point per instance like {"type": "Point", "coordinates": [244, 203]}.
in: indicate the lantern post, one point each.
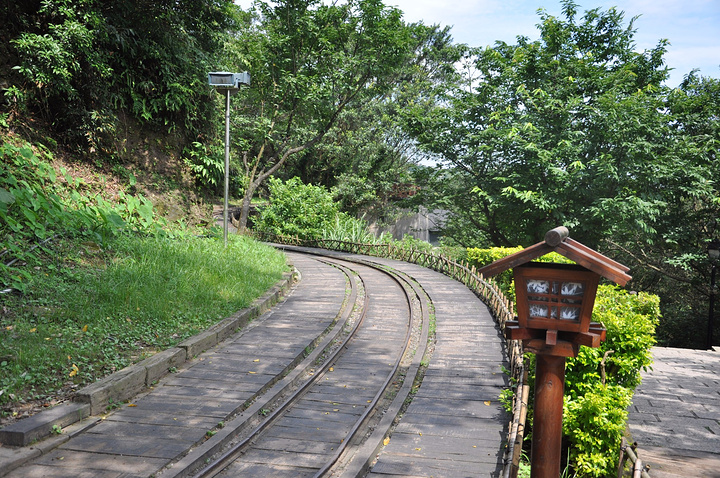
{"type": "Point", "coordinates": [554, 310]}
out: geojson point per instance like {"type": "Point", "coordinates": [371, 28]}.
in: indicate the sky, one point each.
{"type": "Point", "coordinates": [691, 26]}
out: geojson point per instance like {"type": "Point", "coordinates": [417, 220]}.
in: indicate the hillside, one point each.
{"type": "Point", "coordinates": [105, 261]}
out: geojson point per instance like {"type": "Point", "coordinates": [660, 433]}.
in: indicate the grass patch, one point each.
{"type": "Point", "coordinates": [89, 311]}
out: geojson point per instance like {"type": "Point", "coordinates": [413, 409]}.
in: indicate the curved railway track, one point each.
{"type": "Point", "coordinates": [315, 388]}
{"type": "Point", "coordinates": [334, 416]}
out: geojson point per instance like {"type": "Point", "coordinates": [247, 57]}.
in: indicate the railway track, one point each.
{"type": "Point", "coordinates": [333, 418]}
{"type": "Point", "coordinates": [316, 387]}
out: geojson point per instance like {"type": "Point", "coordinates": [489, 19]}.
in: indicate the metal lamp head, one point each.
{"type": "Point", "coordinates": [224, 79]}
{"type": "Point", "coordinates": [714, 250]}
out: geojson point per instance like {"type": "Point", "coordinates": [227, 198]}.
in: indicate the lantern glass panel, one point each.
{"type": "Point", "coordinates": [555, 296]}
{"type": "Point", "coordinates": [545, 297]}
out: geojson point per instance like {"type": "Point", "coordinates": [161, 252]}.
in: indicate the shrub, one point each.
{"type": "Point", "coordinates": [297, 209]}
{"type": "Point", "coordinates": [595, 412]}
{"type": "Point", "coordinates": [207, 164]}
{"type": "Point", "coordinates": [349, 229]}
{"type": "Point", "coordinates": [594, 424]}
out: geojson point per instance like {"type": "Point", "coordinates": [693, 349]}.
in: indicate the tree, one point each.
{"type": "Point", "coordinates": [556, 131]}
{"type": "Point", "coordinates": [577, 129]}
{"type": "Point", "coordinates": [309, 63]}
{"type": "Point", "coordinates": [81, 64]}
{"type": "Point", "coordinates": [674, 263]}
{"type": "Point", "coordinates": [368, 158]}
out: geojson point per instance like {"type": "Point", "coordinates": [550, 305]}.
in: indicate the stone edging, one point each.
{"type": "Point", "coordinates": [124, 384]}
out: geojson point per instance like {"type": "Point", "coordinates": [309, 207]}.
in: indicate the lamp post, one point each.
{"type": "Point", "coordinates": [229, 82]}
{"type": "Point", "coordinates": [714, 254]}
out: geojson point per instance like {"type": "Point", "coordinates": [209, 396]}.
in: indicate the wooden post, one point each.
{"type": "Point", "coordinates": [547, 424]}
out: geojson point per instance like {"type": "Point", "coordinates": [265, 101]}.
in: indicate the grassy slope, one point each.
{"type": "Point", "coordinates": [93, 308]}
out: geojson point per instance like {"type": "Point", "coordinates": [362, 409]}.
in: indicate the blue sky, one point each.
{"type": "Point", "coordinates": [691, 26]}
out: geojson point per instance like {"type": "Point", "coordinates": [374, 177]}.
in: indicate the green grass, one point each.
{"type": "Point", "coordinates": [89, 311]}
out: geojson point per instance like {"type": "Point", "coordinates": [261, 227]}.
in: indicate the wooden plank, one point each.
{"type": "Point", "coordinates": [594, 261]}
{"type": "Point", "coordinates": [68, 463]}
{"type": "Point", "coordinates": [153, 447]}
{"type": "Point", "coordinates": [592, 252]}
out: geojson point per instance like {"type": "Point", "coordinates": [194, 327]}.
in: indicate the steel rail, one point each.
{"type": "Point", "coordinates": [217, 466]}
{"type": "Point", "coordinates": [386, 384]}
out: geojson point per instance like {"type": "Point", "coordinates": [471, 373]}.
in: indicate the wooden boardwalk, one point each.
{"type": "Point", "coordinates": [454, 427]}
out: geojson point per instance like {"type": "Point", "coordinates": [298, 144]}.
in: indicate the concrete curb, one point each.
{"type": "Point", "coordinates": [124, 384]}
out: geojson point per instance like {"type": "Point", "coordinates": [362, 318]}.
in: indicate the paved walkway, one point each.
{"type": "Point", "coordinates": [675, 415]}
{"type": "Point", "coordinates": [455, 426]}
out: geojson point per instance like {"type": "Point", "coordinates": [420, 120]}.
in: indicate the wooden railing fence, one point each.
{"type": "Point", "coordinates": [629, 453]}
{"type": "Point", "coordinates": [485, 289]}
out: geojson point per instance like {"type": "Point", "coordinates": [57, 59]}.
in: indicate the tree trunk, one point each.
{"type": "Point", "coordinates": [245, 208]}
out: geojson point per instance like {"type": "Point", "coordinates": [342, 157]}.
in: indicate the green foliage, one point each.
{"type": "Point", "coordinates": [594, 424]}
{"type": "Point", "coordinates": [311, 62]}
{"type": "Point", "coordinates": [575, 128]}
{"type": "Point", "coordinates": [37, 204]}
{"type": "Point", "coordinates": [349, 229]}
{"type": "Point", "coordinates": [80, 62]}
{"type": "Point", "coordinates": [595, 411]}
{"type": "Point", "coordinates": [297, 209]}
{"type": "Point", "coordinates": [207, 164]}
{"type": "Point", "coordinates": [572, 128]}
{"type": "Point", "coordinates": [408, 243]}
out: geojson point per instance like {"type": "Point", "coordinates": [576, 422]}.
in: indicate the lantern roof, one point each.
{"type": "Point", "coordinates": [558, 240]}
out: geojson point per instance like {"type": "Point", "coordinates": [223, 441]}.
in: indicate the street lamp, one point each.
{"type": "Point", "coordinates": [714, 254]}
{"type": "Point", "coordinates": [229, 82]}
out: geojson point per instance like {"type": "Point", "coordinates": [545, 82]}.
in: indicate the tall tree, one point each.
{"type": "Point", "coordinates": [576, 128]}
{"type": "Point", "coordinates": [368, 157]}
{"type": "Point", "coordinates": [557, 130]}
{"type": "Point", "coordinates": [309, 62]}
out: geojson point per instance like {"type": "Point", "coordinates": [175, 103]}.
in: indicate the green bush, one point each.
{"type": "Point", "coordinates": [207, 164]}
{"type": "Point", "coordinates": [297, 209]}
{"type": "Point", "coordinates": [349, 229]}
{"type": "Point", "coordinates": [595, 411]}
{"type": "Point", "coordinates": [594, 424]}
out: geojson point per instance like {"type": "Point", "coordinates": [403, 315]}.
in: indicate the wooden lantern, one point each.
{"type": "Point", "coordinates": [555, 301]}
{"type": "Point", "coordinates": [555, 296]}
{"type": "Point", "coordinates": [554, 306]}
